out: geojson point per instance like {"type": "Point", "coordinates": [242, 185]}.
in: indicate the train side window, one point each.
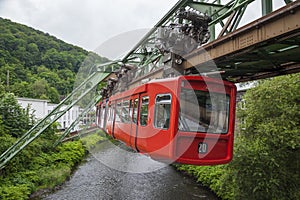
{"type": "Point", "coordinates": [135, 110]}
{"type": "Point", "coordinates": [118, 112]}
{"type": "Point", "coordinates": [102, 117]}
{"type": "Point", "coordinates": [99, 114]}
{"type": "Point", "coordinates": [125, 112]}
{"type": "Point", "coordinates": [162, 111]}
{"type": "Point", "coordinates": [113, 107]}
{"type": "Point", "coordinates": [130, 110]}
{"type": "Point", "coordinates": [144, 111]}
{"type": "Point", "coordinates": [109, 113]}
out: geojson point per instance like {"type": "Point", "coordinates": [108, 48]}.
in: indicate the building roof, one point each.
{"type": "Point", "coordinates": [30, 99]}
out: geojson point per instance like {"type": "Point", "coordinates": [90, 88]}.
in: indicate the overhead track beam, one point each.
{"type": "Point", "coordinates": [277, 32]}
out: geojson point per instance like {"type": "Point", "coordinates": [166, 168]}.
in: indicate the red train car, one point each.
{"type": "Point", "coordinates": [187, 119]}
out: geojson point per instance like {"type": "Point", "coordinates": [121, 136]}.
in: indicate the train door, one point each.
{"type": "Point", "coordinates": [161, 142]}
{"type": "Point", "coordinates": [134, 112]}
{"type": "Point", "coordinates": [144, 124]}
{"type": "Point", "coordinates": [113, 118]}
{"type": "Point", "coordinates": [98, 111]}
{"type": "Point", "coordinates": [103, 116]}
{"type": "Point", "coordinates": [123, 124]}
{"type": "Point", "coordinates": [117, 119]}
{"type": "Point", "coordinates": [109, 121]}
{"type": "Point", "coordinates": [154, 131]}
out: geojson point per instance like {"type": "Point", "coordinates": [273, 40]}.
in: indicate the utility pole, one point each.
{"type": "Point", "coordinates": [7, 79]}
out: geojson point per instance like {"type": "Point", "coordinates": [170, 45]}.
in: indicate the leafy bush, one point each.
{"type": "Point", "coordinates": [212, 177]}
{"type": "Point", "coordinates": [45, 170]}
{"type": "Point", "coordinates": [38, 165]}
{"type": "Point", "coordinates": [14, 192]}
{"type": "Point", "coordinates": [91, 140]}
{"type": "Point", "coordinates": [14, 119]}
{"type": "Point", "coordinates": [56, 175]}
{"type": "Point", "coordinates": [268, 152]}
{"type": "Point", "coordinates": [70, 153]}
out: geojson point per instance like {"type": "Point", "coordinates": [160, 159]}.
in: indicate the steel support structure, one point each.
{"type": "Point", "coordinates": [228, 16]}
{"type": "Point", "coordinates": [266, 47]}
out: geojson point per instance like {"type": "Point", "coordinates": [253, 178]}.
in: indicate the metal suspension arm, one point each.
{"type": "Point", "coordinates": [79, 93]}
{"type": "Point", "coordinates": [84, 112]}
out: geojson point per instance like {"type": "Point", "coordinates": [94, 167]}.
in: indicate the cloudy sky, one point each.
{"type": "Point", "coordinates": [85, 23]}
{"type": "Point", "coordinates": [89, 23]}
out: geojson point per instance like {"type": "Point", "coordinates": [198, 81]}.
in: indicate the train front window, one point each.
{"type": "Point", "coordinates": [203, 111]}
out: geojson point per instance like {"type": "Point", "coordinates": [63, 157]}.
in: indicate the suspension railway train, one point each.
{"type": "Point", "coordinates": [186, 119]}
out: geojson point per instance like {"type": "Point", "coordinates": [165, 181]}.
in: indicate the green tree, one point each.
{"type": "Point", "coordinates": [21, 89]}
{"type": "Point", "coordinates": [39, 88]}
{"type": "Point", "coordinates": [33, 55]}
{"type": "Point", "coordinates": [2, 89]}
{"type": "Point", "coordinates": [267, 157]}
{"type": "Point", "coordinates": [50, 76]}
{"type": "Point", "coordinates": [14, 118]}
{"type": "Point", "coordinates": [53, 95]}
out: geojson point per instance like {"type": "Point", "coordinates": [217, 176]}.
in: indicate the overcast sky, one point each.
{"type": "Point", "coordinates": [86, 23]}
{"type": "Point", "coordinates": [89, 23]}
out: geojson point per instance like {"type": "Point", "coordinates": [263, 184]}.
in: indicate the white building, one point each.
{"type": "Point", "coordinates": [38, 107]}
{"type": "Point", "coordinates": [41, 108]}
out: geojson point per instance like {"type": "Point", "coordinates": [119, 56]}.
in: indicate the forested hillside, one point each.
{"type": "Point", "coordinates": [36, 65]}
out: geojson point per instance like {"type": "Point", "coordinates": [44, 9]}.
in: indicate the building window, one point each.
{"type": "Point", "coordinates": [162, 111]}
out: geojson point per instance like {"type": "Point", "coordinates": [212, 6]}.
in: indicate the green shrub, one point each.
{"type": "Point", "coordinates": [267, 160]}
{"type": "Point", "coordinates": [69, 153]}
{"type": "Point", "coordinates": [91, 140]}
{"type": "Point", "coordinates": [14, 192]}
{"type": "Point", "coordinates": [212, 177]}
{"type": "Point", "coordinates": [56, 175]}
{"type": "Point", "coordinates": [44, 170]}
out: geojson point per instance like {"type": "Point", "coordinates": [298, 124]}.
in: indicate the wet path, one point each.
{"type": "Point", "coordinates": [94, 180]}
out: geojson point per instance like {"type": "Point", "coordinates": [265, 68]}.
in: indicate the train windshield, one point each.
{"type": "Point", "coordinates": [203, 111]}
